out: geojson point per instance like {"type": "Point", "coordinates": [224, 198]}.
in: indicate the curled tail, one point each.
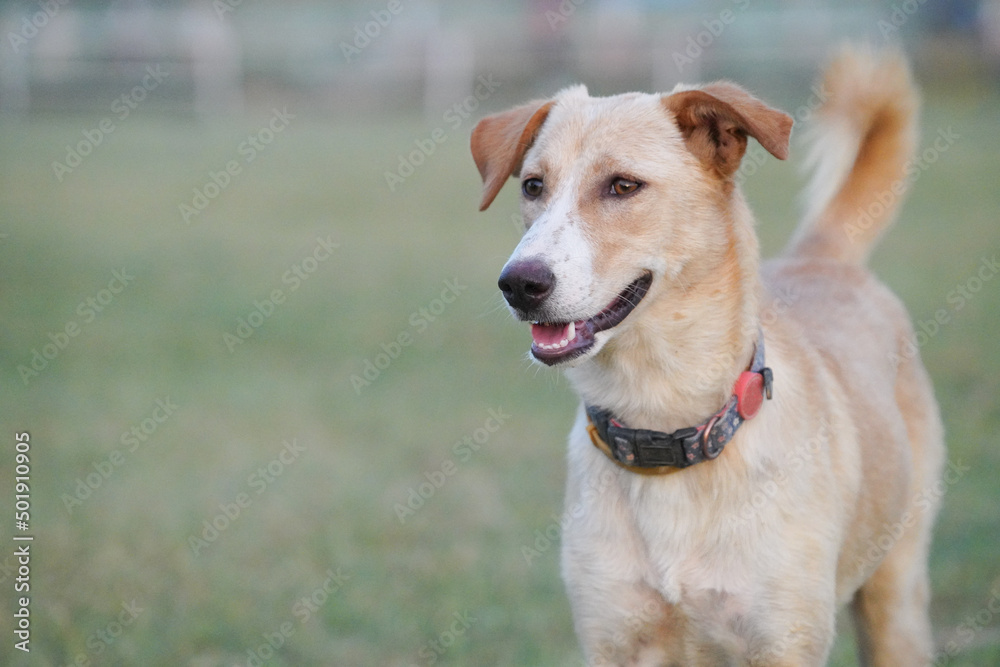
{"type": "Point", "coordinates": [864, 135]}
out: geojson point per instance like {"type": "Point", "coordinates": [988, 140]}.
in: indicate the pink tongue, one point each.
{"type": "Point", "coordinates": [549, 334]}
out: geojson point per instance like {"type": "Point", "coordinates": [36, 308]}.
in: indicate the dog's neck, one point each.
{"type": "Point", "coordinates": [675, 365]}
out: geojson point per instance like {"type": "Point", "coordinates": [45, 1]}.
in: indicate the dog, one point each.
{"type": "Point", "coordinates": [755, 442]}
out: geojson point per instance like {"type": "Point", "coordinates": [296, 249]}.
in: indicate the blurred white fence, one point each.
{"type": "Point", "coordinates": [397, 54]}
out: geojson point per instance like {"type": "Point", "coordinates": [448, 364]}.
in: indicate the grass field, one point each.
{"type": "Point", "coordinates": [164, 413]}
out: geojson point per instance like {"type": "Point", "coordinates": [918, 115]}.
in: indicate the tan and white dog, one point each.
{"type": "Point", "coordinates": [709, 526]}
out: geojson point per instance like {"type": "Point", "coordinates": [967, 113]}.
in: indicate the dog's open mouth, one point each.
{"type": "Point", "coordinates": [555, 342]}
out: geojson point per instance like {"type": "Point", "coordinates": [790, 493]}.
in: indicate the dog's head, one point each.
{"type": "Point", "coordinates": [622, 197]}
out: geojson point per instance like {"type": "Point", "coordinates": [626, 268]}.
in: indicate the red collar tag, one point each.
{"type": "Point", "coordinates": [749, 392]}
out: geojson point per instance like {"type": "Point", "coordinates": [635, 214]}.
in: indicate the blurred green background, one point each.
{"type": "Point", "coordinates": [266, 263]}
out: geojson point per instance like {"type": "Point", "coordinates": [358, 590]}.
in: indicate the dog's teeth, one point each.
{"type": "Point", "coordinates": [570, 335]}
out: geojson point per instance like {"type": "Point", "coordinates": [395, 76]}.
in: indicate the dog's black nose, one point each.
{"type": "Point", "coordinates": [526, 284]}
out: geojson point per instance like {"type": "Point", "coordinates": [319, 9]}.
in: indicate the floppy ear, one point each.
{"type": "Point", "coordinates": [500, 141]}
{"type": "Point", "coordinates": [716, 119]}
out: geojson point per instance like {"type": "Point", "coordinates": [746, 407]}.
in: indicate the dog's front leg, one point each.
{"type": "Point", "coordinates": [623, 624]}
{"type": "Point", "coordinates": [619, 618]}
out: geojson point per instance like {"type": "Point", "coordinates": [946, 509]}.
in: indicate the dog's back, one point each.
{"type": "Point", "coordinates": [865, 137]}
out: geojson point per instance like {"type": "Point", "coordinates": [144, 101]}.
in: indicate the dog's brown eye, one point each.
{"type": "Point", "coordinates": [532, 187]}
{"type": "Point", "coordinates": [623, 186]}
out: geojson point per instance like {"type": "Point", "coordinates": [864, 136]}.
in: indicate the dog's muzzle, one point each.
{"type": "Point", "coordinates": [528, 284]}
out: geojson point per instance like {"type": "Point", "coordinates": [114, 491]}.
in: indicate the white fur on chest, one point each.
{"type": "Point", "coordinates": [706, 539]}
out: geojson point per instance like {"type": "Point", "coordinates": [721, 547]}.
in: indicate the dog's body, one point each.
{"type": "Point", "coordinates": [823, 498]}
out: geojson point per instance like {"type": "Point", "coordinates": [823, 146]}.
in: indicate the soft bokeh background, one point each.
{"type": "Point", "coordinates": [316, 562]}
